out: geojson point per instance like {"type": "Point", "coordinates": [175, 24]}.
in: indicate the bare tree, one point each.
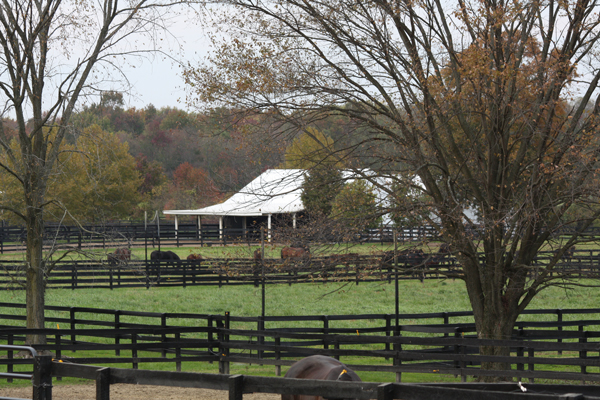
{"type": "Point", "coordinates": [488, 108]}
{"type": "Point", "coordinates": [53, 52]}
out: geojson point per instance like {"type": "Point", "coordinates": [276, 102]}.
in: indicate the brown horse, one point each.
{"type": "Point", "coordinates": [121, 255]}
{"type": "Point", "coordinates": [319, 367]}
{"type": "Point", "coordinates": [194, 257]}
{"type": "Point", "coordinates": [294, 252]}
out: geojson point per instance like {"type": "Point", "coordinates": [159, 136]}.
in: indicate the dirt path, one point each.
{"type": "Point", "coordinates": [132, 392]}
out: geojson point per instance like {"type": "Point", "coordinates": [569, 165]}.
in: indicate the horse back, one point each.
{"type": "Point", "coordinates": [319, 367]}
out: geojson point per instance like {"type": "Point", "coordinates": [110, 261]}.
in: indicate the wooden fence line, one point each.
{"type": "Point", "coordinates": [94, 236]}
{"type": "Point", "coordinates": [243, 271]}
{"type": "Point", "coordinates": [238, 385]}
{"type": "Point", "coordinates": [450, 352]}
{"type": "Point", "coordinates": [136, 234]}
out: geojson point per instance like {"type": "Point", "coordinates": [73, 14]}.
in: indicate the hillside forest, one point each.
{"type": "Point", "coordinates": [120, 162]}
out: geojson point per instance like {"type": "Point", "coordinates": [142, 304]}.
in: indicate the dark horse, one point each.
{"type": "Point", "coordinates": [164, 255]}
{"type": "Point", "coordinates": [319, 367]}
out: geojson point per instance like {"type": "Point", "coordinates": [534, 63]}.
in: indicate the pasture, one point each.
{"type": "Point", "coordinates": [298, 299]}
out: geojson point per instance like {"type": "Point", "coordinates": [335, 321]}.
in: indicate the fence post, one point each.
{"type": "Point", "coordinates": [73, 324]}
{"type": "Point", "coordinates": [58, 353]}
{"type": "Point", "coordinates": [325, 332]}
{"type": "Point", "coordinates": [42, 378]}
{"type": "Point", "coordinates": [520, 353]}
{"type": "Point", "coordinates": [531, 365]}
{"type": "Point", "coordinates": [117, 327]}
{"type": "Point", "coordinates": [446, 322]}
{"type": "Point", "coordinates": [147, 273]}
{"type": "Point", "coordinates": [9, 356]}
{"type": "Point", "coordinates": [277, 356]}
{"type": "Point", "coordinates": [583, 353]}
{"type": "Point", "coordinates": [388, 329]}
{"type": "Point", "coordinates": [178, 352]}
{"type": "Point", "coordinates": [74, 275]}
{"type": "Point", "coordinates": [397, 350]}
{"type": "Point", "coordinates": [210, 336]}
{"type": "Point", "coordinates": [224, 351]}
{"type": "Point", "coordinates": [103, 384]}
{"type": "Point", "coordinates": [163, 324]}
{"type": "Point", "coordinates": [236, 387]}
{"type": "Point", "coordinates": [385, 391]}
{"type": "Point", "coordinates": [261, 338]}
{"type": "Point", "coordinates": [134, 353]}
{"type": "Point", "coordinates": [559, 318]}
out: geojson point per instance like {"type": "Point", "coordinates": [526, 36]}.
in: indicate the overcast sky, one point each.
{"type": "Point", "coordinates": [158, 80]}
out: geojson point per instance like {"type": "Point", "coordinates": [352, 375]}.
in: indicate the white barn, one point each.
{"type": "Point", "coordinates": [276, 191]}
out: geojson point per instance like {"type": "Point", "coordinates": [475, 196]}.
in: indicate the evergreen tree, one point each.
{"type": "Point", "coordinates": [321, 185]}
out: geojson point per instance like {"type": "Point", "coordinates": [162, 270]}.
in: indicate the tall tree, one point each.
{"type": "Point", "coordinates": [321, 185]}
{"type": "Point", "coordinates": [95, 179]}
{"type": "Point", "coordinates": [474, 97]}
{"type": "Point", "coordinates": [54, 52]}
{"type": "Point", "coordinates": [356, 206]}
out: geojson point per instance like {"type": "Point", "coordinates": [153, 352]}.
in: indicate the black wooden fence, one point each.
{"type": "Point", "coordinates": [85, 274]}
{"type": "Point", "coordinates": [185, 234]}
{"type": "Point", "coordinates": [551, 349]}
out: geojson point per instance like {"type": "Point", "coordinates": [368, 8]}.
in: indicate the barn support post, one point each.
{"type": "Point", "coordinates": [199, 229]}
{"type": "Point", "coordinates": [176, 230]}
{"type": "Point", "coordinates": [269, 226]}
{"type": "Point", "coordinates": [294, 219]}
{"type": "Point", "coordinates": [42, 378]}
{"type": "Point", "coordinates": [157, 229]}
{"type": "Point", "coordinates": [221, 236]}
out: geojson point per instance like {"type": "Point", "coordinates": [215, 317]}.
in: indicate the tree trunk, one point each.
{"type": "Point", "coordinates": [495, 323]}
{"type": "Point", "coordinates": [36, 275]}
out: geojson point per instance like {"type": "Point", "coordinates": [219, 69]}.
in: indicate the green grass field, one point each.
{"type": "Point", "coordinates": [298, 299]}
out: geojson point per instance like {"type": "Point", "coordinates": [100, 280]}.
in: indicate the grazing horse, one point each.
{"type": "Point", "coordinates": [164, 255]}
{"type": "Point", "coordinates": [121, 255]}
{"type": "Point", "coordinates": [257, 255]}
{"type": "Point", "coordinates": [294, 252]}
{"type": "Point", "coordinates": [319, 367]}
{"type": "Point", "coordinates": [194, 257]}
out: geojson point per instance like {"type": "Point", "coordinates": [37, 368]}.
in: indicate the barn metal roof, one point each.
{"type": "Point", "coordinates": [275, 191]}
